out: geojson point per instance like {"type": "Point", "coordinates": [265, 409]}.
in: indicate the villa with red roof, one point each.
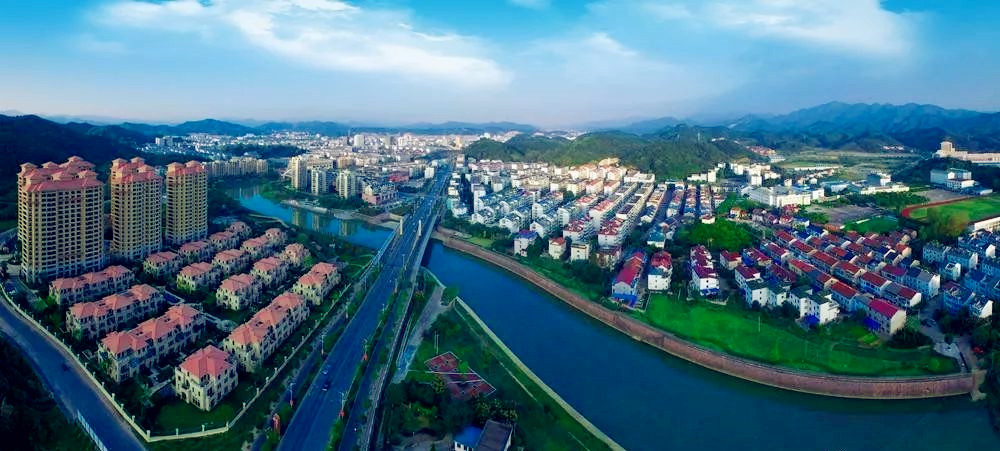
{"type": "Point", "coordinates": [294, 254]}
{"type": "Point", "coordinates": [126, 353]}
{"type": "Point", "coordinates": [90, 286]}
{"type": "Point", "coordinates": [195, 251]}
{"type": "Point", "coordinates": [315, 285]}
{"type": "Point", "coordinates": [275, 236]}
{"type": "Point", "coordinates": [253, 341]}
{"type": "Point", "coordinates": [224, 240]}
{"type": "Point", "coordinates": [197, 276]}
{"type": "Point", "coordinates": [661, 270]}
{"type": "Point", "coordinates": [93, 319]}
{"type": "Point", "coordinates": [205, 377]}
{"type": "Point", "coordinates": [270, 271]}
{"type": "Point", "coordinates": [238, 292]}
{"type": "Point", "coordinates": [557, 247]}
{"type": "Point", "coordinates": [162, 264]}
{"type": "Point", "coordinates": [231, 261]}
{"type": "Point", "coordinates": [884, 318]}
{"type": "Point", "coordinates": [241, 229]}
{"type": "Point", "coordinates": [256, 247]}
{"type": "Point", "coordinates": [625, 288]}
{"type": "Point", "coordinates": [873, 283]}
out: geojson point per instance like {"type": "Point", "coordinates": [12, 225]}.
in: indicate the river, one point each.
{"type": "Point", "coordinates": [647, 400]}
{"type": "Point", "coordinates": [355, 231]}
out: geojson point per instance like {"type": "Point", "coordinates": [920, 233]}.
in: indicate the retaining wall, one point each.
{"type": "Point", "coordinates": [784, 378]}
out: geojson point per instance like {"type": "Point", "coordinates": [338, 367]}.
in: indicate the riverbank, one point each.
{"type": "Point", "coordinates": [544, 421]}
{"type": "Point", "coordinates": [800, 381]}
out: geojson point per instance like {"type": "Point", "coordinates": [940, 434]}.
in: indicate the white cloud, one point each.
{"type": "Point", "coordinates": [601, 42]}
{"type": "Point", "coordinates": [533, 4]}
{"type": "Point", "coordinates": [326, 34]}
{"type": "Point", "coordinates": [861, 26]}
{"type": "Point", "coordinates": [93, 44]}
{"type": "Point", "coordinates": [667, 11]}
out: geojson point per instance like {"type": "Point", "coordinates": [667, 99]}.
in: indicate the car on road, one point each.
{"type": "Point", "coordinates": [326, 386]}
{"type": "Point", "coordinates": [326, 370]}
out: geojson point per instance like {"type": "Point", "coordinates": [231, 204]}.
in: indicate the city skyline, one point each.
{"type": "Point", "coordinates": [548, 63]}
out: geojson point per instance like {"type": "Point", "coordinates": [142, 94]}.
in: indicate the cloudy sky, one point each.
{"type": "Point", "coordinates": [545, 62]}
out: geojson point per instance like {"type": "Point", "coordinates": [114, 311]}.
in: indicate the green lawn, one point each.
{"type": "Point", "coordinates": [842, 348]}
{"type": "Point", "coordinates": [978, 208]}
{"type": "Point", "coordinates": [542, 424]}
{"type": "Point", "coordinates": [877, 224]}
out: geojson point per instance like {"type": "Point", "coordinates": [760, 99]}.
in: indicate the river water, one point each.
{"type": "Point", "coordinates": [355, 231]}
{"type": "Point", "coordinates": [647, 400]}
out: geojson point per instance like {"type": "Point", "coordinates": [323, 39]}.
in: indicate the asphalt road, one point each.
{"type": "Point", "coordinates": [313, 422]}
{"type": "Point", "coordinates": [74, 391]}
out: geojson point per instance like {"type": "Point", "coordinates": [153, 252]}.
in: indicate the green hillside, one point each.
{"type": "Point", "coordinates": [668, 155]}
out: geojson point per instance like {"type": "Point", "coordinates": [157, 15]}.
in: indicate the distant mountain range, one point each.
{"type": "Point", "coordinates": [214, 126]}
{"type": "Point", "coordinates": [839, 125]}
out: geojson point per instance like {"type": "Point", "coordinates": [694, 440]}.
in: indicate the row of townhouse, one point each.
{"type": "Point", "coordinates": [661, 270]}
{"type": "Point", "coordinates": [255, 340]}
{"type": "Point", "coordinates": [625, 287]}
{"type": "Point", "coordinates": [90, 286]}
{"type": "Point", "coordinates": [127, 353]}
{"type": "Point", "coordinates": [205, 377]}
{"type": "Point", "coordinates": [851, 260]}
{"type": "Point", "coordinates": [315, 285]}
{"type": "Point", "coordinates": [703, 275]}
{"type": "Point", "coordinates": [957, 299]}
{"type": "Point", "coordinates": [90, 320]}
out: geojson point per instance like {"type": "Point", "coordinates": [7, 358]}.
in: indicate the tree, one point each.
{"type": "Point", "coordinates": [944, 227]}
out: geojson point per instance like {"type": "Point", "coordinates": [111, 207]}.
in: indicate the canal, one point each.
{"type": "Point", "coordinates": [647, 400]}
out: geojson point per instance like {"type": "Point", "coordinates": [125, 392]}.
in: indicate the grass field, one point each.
{"type": "Point", "coordinates": [843, 348]}
{"type": "Point", "coordinates": [978, 208]}
{"type": "Point", "coordinates": [542, 424]}
{"type": "Point", "coordinates": [877, 224]}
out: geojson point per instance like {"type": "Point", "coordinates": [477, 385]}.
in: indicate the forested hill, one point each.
{"type": "Point", "coordinates": [668, 155]}
{"type": "Point", "coordinates": [36, 140]}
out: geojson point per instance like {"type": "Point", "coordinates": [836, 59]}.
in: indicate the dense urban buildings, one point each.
{"type": "Point", "coordinates": [187, 203]}
{"type": "Point", "coordinates": [60, 220]}
{"type": "Point", "coordinates": [136, 218]}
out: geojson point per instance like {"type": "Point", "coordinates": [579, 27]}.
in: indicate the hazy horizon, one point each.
{"type": "Point", "coordinates": [548, 63]}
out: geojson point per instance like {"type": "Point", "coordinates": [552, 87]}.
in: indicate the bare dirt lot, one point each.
{"type": "Point", "coordinates": [843, 214]}
{"type": "Point", "coordinates": [939, 195]}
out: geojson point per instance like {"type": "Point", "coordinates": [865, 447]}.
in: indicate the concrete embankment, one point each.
{"type": "Point", "coordinates": [806, 382]}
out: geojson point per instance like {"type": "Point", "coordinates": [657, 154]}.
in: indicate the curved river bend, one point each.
{"type": "Point", "coordinates": [647, 400]}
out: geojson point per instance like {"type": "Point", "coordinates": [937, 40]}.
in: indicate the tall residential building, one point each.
{"type": "Point", "coordinates": [320, 181]}
{"type": "Point", "coordinates": [60, 220]}
{"type": "Point", "coordinates": [187, 203]}
{"type": "Point", "coordinates": [347, 183]}
{"type": "Point", "coordinates": [136, 212]}
{"type": "Point", "coordinates": [299, 171]}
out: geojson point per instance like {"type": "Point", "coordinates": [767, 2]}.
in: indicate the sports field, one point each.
{"type": "Point", "coordinates": [977, 207]}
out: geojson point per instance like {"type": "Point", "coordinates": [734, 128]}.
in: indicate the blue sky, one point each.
{"type": "Point", "coordinates": [546, 62]}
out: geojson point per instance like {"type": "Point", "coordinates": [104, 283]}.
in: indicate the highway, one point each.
{"type": "Point", "coordinates": [312, 423]}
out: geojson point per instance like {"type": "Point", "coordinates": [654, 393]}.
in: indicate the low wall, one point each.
{"type": "Point", "coordinates": [784, 378]}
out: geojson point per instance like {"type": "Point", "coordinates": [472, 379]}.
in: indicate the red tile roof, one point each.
{"type": "Point", "coordinates": [210, 361]}
{"type": "Point", "coordinates": [883, 308]}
